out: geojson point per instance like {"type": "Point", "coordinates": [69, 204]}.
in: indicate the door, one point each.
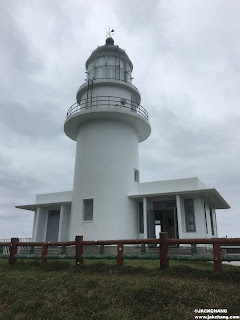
{"type": "Point", "coordinates": [53, 225]}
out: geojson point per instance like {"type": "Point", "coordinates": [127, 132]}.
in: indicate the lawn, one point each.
{"type": "Point", "coordinates": [101, 291]}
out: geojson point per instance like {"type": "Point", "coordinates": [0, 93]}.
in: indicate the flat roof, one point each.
{"type": "Point", "coordinates": [33, 207]}
{"type": "Point", "coordinates": [212, 196]}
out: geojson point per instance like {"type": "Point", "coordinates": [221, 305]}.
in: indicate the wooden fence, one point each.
{"type": "Point", "coordinates": [163, 255]}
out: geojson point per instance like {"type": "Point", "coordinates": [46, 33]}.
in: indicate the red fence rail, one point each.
{"type": "Point", "coordinates": [163, 242]}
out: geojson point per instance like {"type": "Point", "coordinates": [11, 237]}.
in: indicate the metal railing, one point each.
{"type": "Point", "coordinates": [6, 249]}
{"type": "Point", "coordinates": [107, 101]}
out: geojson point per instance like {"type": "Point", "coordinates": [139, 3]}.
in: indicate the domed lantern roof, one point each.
{"type": "Point", "coordinates": [109, 49]}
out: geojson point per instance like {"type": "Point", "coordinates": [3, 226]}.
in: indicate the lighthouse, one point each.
{"type": "Point", "coordinates": [108, 201]}
{"type": "Point", "coordinates": [108, 123]}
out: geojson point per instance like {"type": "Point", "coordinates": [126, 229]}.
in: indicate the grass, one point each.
{"type": "Point", "coordinates": [101, 291]}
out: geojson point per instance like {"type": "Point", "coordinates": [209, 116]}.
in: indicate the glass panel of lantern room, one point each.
{"type": "Point", "coordinates": [90, 69]}
{"type": "Point", "coordinates": [91, 65]}
{"type": "Point", "coordinates": [101, 72]}
{"type": "Point", "coordinates": [100, 61]}
{"type": "Point", "coordinates": [121, 74]}
{"type": "Point", "coordinates": [110, 60]}
{"type": "Point", "coordinates": [122, 63]}
{"type": "Point", "coordinates": [111, 72]}
{"type": "Point", "coordinates": [91, 74]}
{"type": "Point", "coordinates": [127, 72]}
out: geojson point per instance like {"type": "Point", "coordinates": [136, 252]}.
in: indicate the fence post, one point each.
{"type": "Point", "coordinates": [44, 252]}
{"type": "Point", "coordinates": [63, 250]}
{"type": "Point", "coordinates": [13, 250]}
{"type": "Point", "coordinates": [164, 264]}
{"type": "Point", "coordinates": [217, 257]}
{"type": "Point", "coordinates": [119, 254]}
{"type": "Point", "coordinates": [143, 249]}
{"type": "Point", "coordinates": [102, 249]}
{"type": "Point", "coordinates": [194, 249]}
{"type": "Point", "coordinates": [79, 250]}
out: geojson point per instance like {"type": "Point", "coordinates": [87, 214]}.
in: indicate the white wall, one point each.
{"type": "Point", "coordinates": [109, 87]}
{"type": "Point", "coordinates": [40, 224]}
{"type": "Point", "coordinates": [35, 222]}
{"type": "Point", "coordinates": [112, 91]}
{"type": "Point", "coordinates": [210, 235]}
{"type": "Point", "coordinates": [106, 156]}
{"type": "Point", "coordinates": [180, 215]}
{"type": "Point", "coordinates": [54, 197]}
{"type": "Point", "coordinates": [199, 220]}
{"type": "Point", "coordinates": [169, 186]}
{"type": "Point", "coordinates": [65, 213]}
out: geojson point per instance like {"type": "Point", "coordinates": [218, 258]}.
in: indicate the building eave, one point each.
{"type": "Point", "coordinates": [33, 207]}
{"type": "Point", "coordinates": [212, 196]}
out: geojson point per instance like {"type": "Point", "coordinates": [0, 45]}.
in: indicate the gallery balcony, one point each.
{"type": "Point", "coordinates": [107, 107]}
{"type": "Point", "coordinates": [101, 102]}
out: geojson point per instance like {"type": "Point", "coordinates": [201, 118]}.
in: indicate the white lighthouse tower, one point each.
{"type": "Point", "coordinates": [107, 123]}
{"type": "Point", "coordinates": [108, 201]}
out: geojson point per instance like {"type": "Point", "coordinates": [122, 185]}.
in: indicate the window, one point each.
{"type": "Point", "coordinates": [88, 209]}
{"type": "Point", "coordinates": [189, 215]}
{"type": "Point", "coordinates": [136, 175]}
{"type": "Point", "coordinates": [211, 218]}
{"type": "Point", "coordinates": [140, 212]}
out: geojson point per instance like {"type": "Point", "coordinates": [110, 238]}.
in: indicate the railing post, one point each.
{"type": "Point", "coordinates": [79, 250]}
{"type": "Point", "coordinates": [217, 257]}
{"type": "Point", "coordinates": [102, 249]}
{"type": "Point", "coordinates": [44, 252]}
{"type": "Point", "coordinates": [63, 250]}
{"type": "Point", "coordinates": [164, 264]}
{"type": "Point", "coordinates": [13, 250]}
{"type": "Point", "coordinates": [31, 250]}
{"type": "Point", "coordinates": [194, 249]}
{"type": "Point", "coordinates": [143, 248]}
{"type": "Point", "coordinates": [119, 254]}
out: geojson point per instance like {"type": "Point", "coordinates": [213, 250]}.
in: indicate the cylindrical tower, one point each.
{"type": "Point", "coordinates": [107, 123]}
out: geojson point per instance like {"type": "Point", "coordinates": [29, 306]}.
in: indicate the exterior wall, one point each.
{"type": "Point", "coordinates": [106, 156]}
{"type": "Point", "coordinates": [109, 87]}
{"type": "Point", "coordinates": [180, 215]}
{"type": "Point", "coordinates": [55, 197]}
{"type": "Point", "coordinates": [117, 225]}
{"type": "Point", "coordinates": [199, 220]}
{"type": "Point", "coordinates": [209, 234]}
{"type": "Point", "coordinates": [65, 213]}
{"type": "Point", "coordinates": [169, 186]}
{"type": "Point", "coordinates": [40, 224]}
{"type": "Point", "coordinates": [146, 207]}
{"type": "Point", "coordinates": [35, 222]}
{"type": "Point", "coordinates": [111, 90]}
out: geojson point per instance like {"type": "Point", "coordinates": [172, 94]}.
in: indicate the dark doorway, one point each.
{"type": "Point", "coordinates": [163, 218]}
{"type": "Point", "coordinates": [53, 225]}
{"type": "Point", "coordinates": [167, 220]}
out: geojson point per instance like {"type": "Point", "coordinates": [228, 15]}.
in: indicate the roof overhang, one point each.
{"type": "Point", "coordinates": [211, 196]}
{"type": "Point", "coordinates": [33, 207]}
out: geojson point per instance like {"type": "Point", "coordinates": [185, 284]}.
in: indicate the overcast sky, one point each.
{"type": "Point", "coordinates": [186, 57]}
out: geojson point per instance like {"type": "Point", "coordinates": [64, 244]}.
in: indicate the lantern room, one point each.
{"type": "Point", "coordinates": [109, 62]}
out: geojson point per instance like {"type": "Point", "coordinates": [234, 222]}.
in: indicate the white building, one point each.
{"type": "Point", "coordinates": [108, 201]}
